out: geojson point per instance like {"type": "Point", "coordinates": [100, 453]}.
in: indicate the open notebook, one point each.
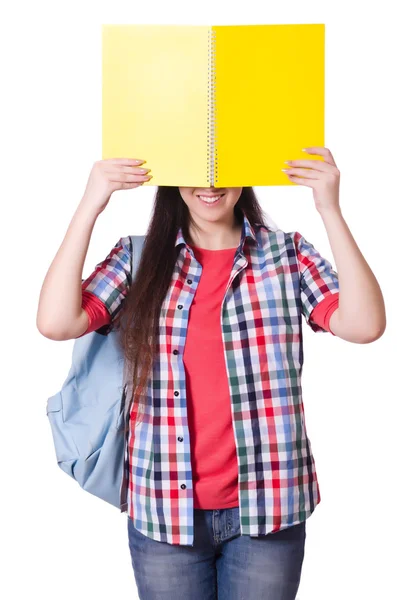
{"type": "Point", "coordinates": [220, 105]}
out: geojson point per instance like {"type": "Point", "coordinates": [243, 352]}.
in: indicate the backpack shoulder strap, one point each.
{"type": "Point", "coordinates": [137, 242]}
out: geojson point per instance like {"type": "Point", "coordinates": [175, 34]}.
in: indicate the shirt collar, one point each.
{"type": "Point", "coordinates": [247, 231]}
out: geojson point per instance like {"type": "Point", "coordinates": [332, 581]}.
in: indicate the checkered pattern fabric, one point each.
{"type": "Point", "coordinates": [276, 278]}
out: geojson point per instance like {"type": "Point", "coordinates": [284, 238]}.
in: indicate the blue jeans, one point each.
{"type": "Point", "coordinates": [222, 564]}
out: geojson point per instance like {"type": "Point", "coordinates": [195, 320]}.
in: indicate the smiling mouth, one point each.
{"type": "Point", "coordinates": [210, 199]}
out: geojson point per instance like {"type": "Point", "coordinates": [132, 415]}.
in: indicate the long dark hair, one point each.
{"type": "Point", "coordinates": [139, 315]}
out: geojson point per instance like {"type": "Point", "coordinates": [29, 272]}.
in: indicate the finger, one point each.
{"type": "Point", "coordinates": [138, 170]}
{"type": "Point", "coordinates": [129, 186]}
{"type": "Point", "coordinates": [126, 161]}
{"type": "Point", "coordinates": [126, 178]}
{"type": "Point", "coordinates": [325, 152]}
{"type": "Point", "coordinates": [309, 173]}
{"type": "Point", "coordinates": [124, 169]}
{"type": "Point", "coordinates": [319, 165]}
{"type": "Point", "coordinates": [301, 180]}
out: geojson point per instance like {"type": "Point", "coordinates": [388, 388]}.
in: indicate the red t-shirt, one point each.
{"type": "Point", "coordinates": [213, 447]}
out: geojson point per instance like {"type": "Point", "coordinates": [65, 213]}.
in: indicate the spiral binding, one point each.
{"type": "Point", "coordinates": [212, 156]}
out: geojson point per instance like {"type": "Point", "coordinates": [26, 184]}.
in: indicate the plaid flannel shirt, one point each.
{"type": "Point", "coordinates": [275, 278]}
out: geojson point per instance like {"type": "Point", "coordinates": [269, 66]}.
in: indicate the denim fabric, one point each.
{"type": "Point", "coordinates": [222, 564]}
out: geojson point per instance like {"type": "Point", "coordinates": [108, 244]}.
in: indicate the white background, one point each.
{"type": "Point", "coordinates": [62, 542]}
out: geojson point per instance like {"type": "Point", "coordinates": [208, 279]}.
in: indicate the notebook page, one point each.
{"type": "Point", "coordinates": [269, 100]}
{"type": "Point", "coordinates": [155, 91]}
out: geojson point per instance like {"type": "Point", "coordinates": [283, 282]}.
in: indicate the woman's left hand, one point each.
{"type": "Point", "coordinates": [321, 175]}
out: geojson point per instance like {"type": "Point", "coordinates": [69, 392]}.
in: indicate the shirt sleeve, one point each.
{"type": "Point", "coordinates": [318, 281]}
{"type": "Point", "coordinates": [324, 310]}
{"type": "Point", "coordinates": [97, 313]}
{"type": "Point", "coordinates": [109, 283]}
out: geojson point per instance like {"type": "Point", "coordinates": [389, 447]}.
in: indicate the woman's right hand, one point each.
{"type": "Point", "coordinates": [110, 175]}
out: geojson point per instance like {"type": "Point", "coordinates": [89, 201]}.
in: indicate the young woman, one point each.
{"type": "Point", "coordinates": [221, 476]}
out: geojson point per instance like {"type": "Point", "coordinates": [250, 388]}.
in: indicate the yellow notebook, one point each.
{"type": "Point", "coordinates": [220, 106]}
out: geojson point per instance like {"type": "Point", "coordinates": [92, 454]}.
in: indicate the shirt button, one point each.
{"type": "Point", "coordinates": [180, 439]}
{"type": "Point", "coordinates": [175, 352]}
{"type": "Point", "coordinates": [176, 393]}
{"type": "Point", "coordinates": [180, 306]}
{"type": "Point", "coordinates": [189, 281]}
{"type": "Point", "coordinates": [183, 486]}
